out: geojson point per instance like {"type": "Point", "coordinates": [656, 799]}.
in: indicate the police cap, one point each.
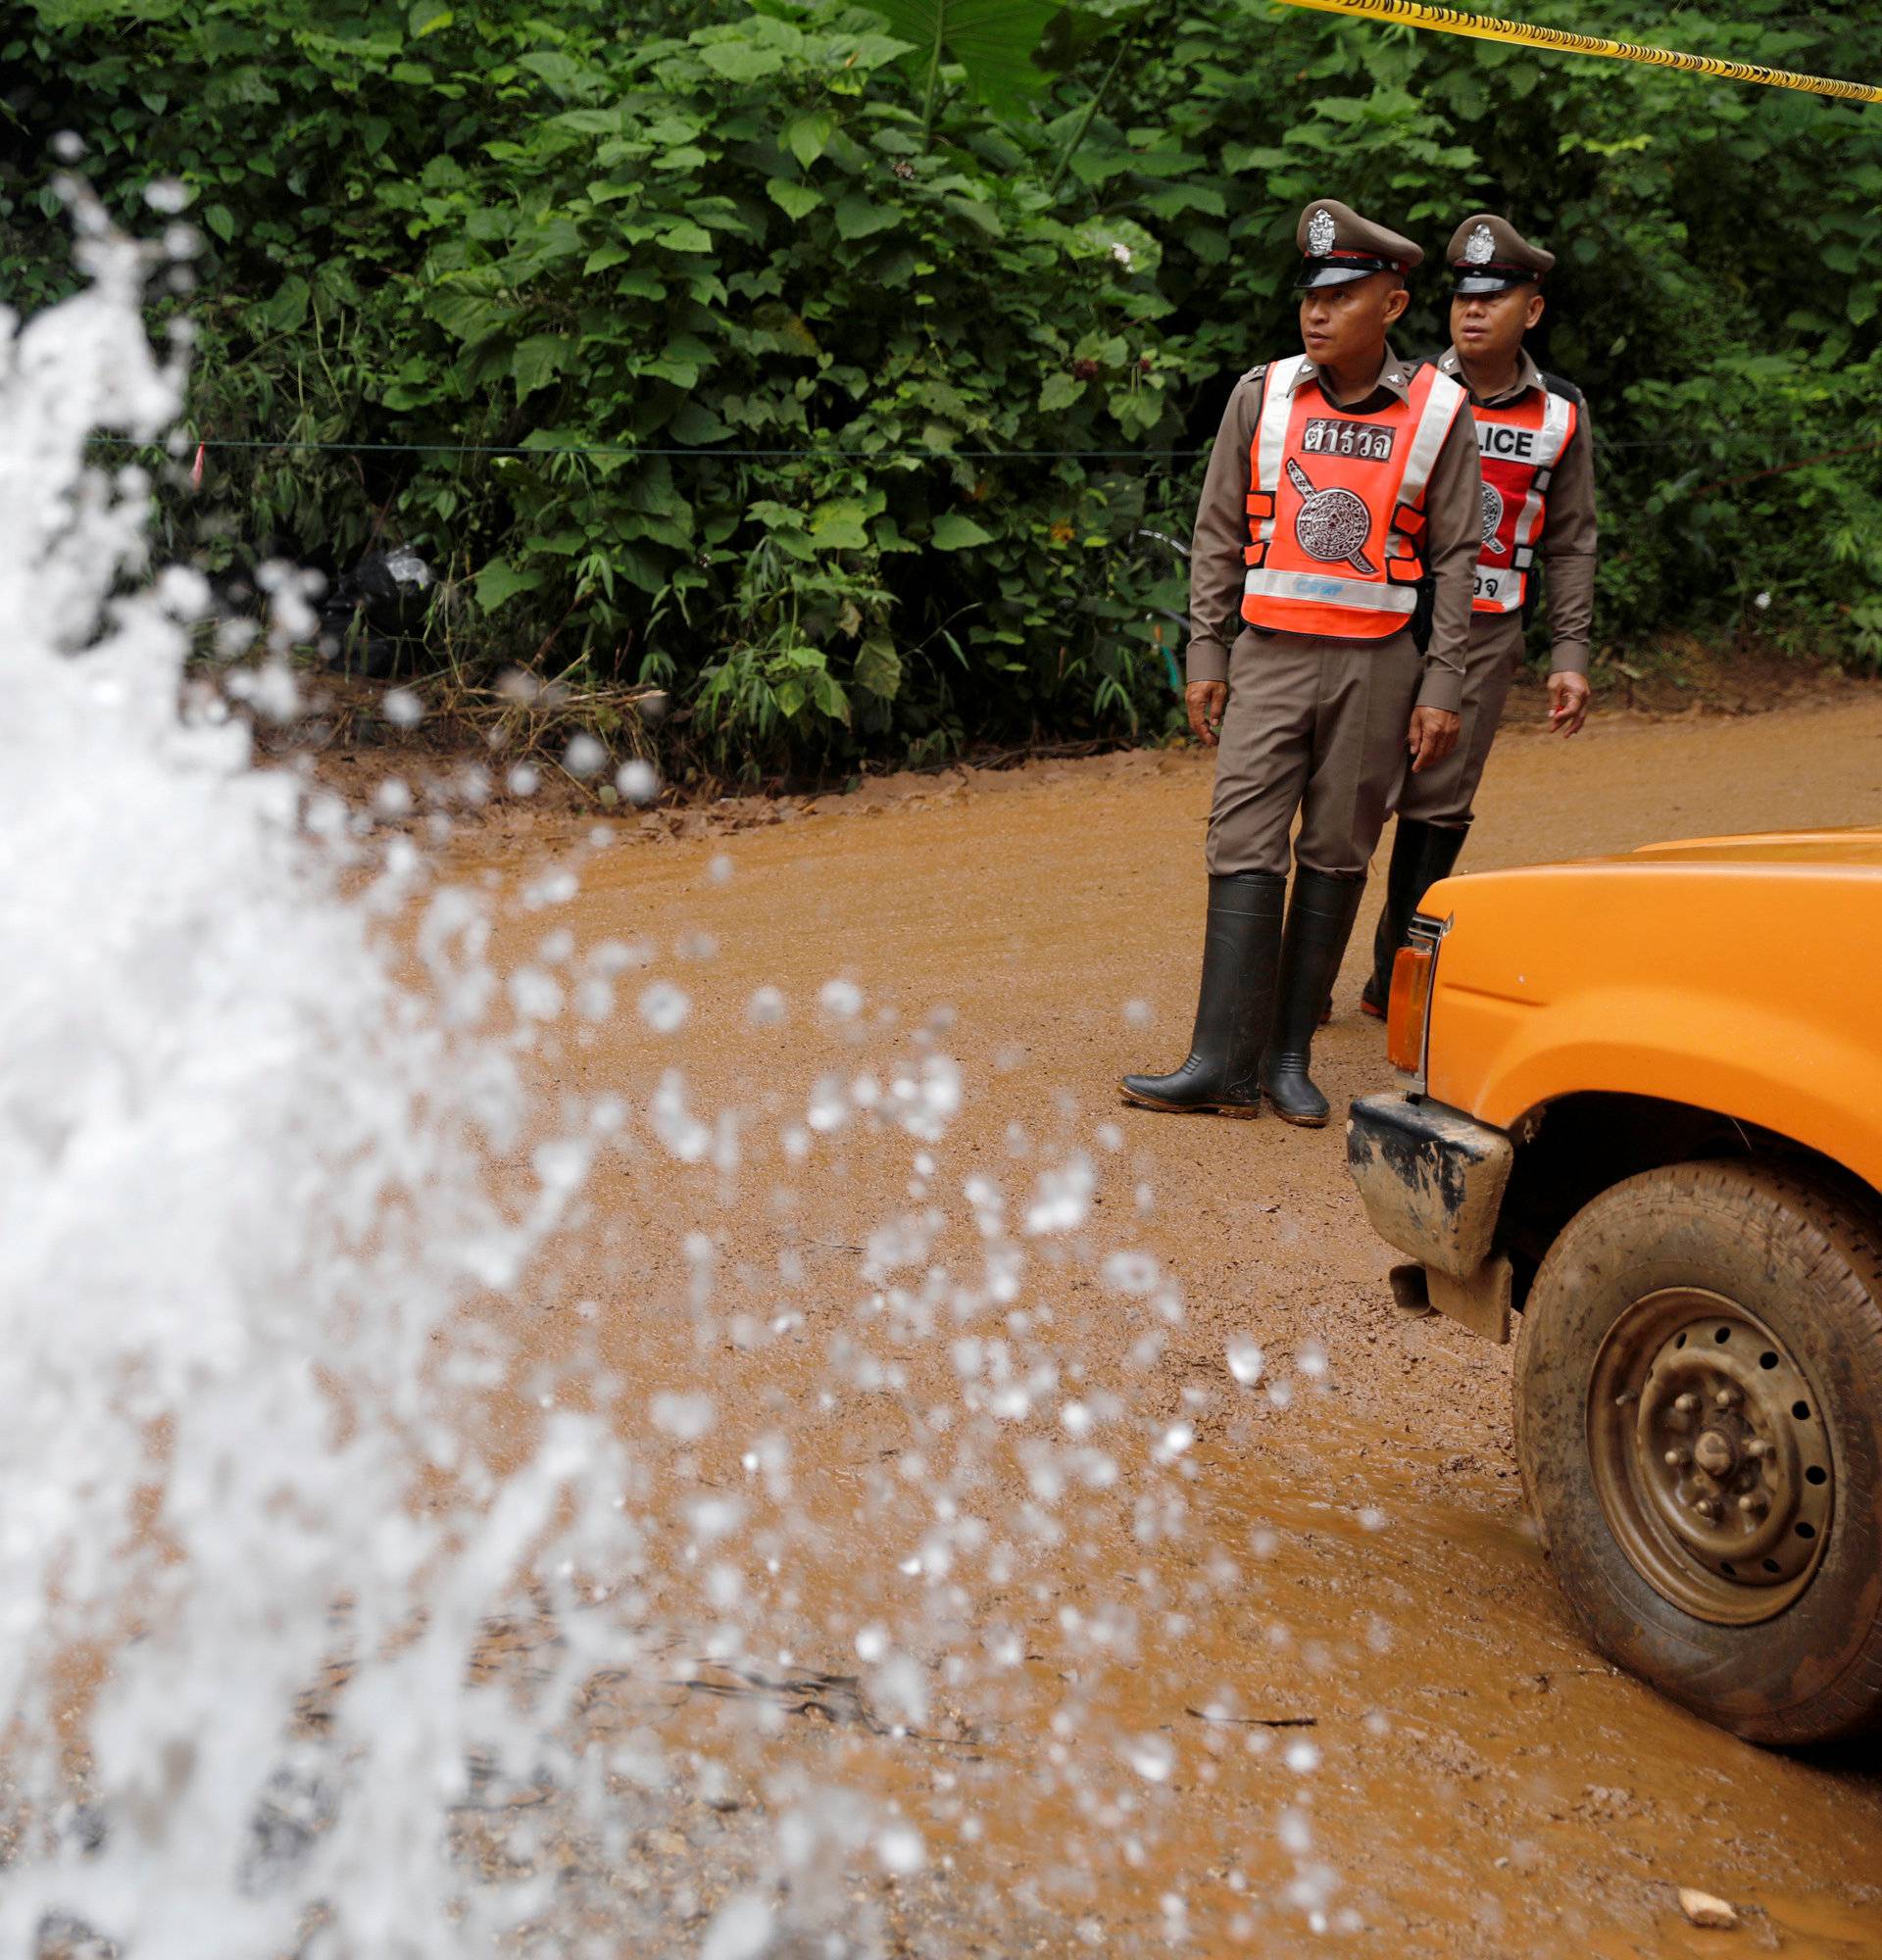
{"type": "Point", "coordinates": [1489, 255]}
{"type": "Point", "coordinates": [1339, 246]}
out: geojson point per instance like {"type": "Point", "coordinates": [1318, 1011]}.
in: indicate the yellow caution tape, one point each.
{"type": "Point", "coordinates": [1524, 33]}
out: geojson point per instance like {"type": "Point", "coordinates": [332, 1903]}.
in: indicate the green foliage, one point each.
{"type": "Point", "coordinates": [993, 40]}
{"type": "Point", "coordinates": [1720, 267]}
{"type": "Point", "coordinates": [723, 260]}
{"type": "Point", "coordinates": [765, 299]}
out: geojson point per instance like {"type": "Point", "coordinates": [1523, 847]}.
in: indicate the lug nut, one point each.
{"type": "Point", "coordinates": [1687, 1403]}
{"type": "Point", "coordinates": [1757, 1448]}
{"type": "Point", "coordinates": [1713, 1453]}
{"type": "Point", "coordinates": [1726, 1397]}
{"type": "Point", "coordinates": [1677, 1459]}
{"type": "Point", "coordinates": [1754, 1503]}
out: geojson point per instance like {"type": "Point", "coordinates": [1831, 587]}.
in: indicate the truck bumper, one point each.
{"type": "Point", "coordinates": [1432, 1180]}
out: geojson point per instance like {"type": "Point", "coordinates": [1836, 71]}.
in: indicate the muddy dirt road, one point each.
{"type": "Point", "coordinates": [968, 1493]}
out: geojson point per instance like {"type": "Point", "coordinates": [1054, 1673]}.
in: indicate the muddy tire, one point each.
{"type": "Point", "coordinates": [1699, 1424]}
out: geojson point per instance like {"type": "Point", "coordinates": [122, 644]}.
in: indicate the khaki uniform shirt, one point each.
{"type": "Point", "coordinates": [1454, 535]}
{"type": "Point", "coordinates": [1567, 547]}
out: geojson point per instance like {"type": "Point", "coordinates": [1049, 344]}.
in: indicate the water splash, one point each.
{"type": "Point", "coordinates": [298, 1644]}
{"type": "Point", "coordinates": [245, 1178]}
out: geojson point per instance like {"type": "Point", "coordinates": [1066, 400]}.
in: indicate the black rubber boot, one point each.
{"type": "Point", "coordinates": [1422, 855]}
{"type": "Point", "coordinates": [1241, 955]}
{"type": "Point", "coordinates": [1319, 923]}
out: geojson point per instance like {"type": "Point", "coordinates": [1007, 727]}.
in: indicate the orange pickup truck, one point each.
{"type": "Point", "coordinates": [1646, 1124]}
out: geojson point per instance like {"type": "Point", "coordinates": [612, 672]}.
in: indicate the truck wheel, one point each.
{"type": "Point", "coordinates": [1698, 1422]}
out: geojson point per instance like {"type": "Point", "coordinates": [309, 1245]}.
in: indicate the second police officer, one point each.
{"type": "Point", "coordinates": [1342, 502]}
{"type": "Point", "coordinates": [1538, 503]}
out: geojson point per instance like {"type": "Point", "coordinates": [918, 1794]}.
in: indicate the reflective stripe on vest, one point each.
{"type": "Point", "coordinates": [1336, 505]}
{"type": "Point", "coordinates": [1520, 445]}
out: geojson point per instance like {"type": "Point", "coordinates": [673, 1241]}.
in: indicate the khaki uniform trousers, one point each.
{"type": "Point", "coordinates": [1444, 795]}
{"type": "Point", "coordinates": [1317, 727]}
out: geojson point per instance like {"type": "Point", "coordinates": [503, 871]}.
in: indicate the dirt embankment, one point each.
{"type": "Point", "coordinates": [468, 762]}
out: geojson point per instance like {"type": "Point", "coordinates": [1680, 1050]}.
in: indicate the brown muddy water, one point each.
{"type": "Point", "coordinates": [1296, 1677]}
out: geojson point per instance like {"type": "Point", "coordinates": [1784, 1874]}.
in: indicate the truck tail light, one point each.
{"type": "Point", "coordinates": [1410, 1006]}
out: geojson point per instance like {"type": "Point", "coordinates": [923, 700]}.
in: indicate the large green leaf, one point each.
{"type": "Point", "coordinates": [500, 581]}
{"type": "Point", "coordinates": [857, 217]}
{"type": "Point", "coordinates": [954, 532]}
{"type": "Point", "coordinates": [1058, 391]}
{"type": "Point", "coordinates": [741, 61]}
{"type": "Point", "coordinates": [808, 137]}
{"type": "Point", "coordinates": [838, 525]}
{"type": "Point", "coordinates": [468, 316]}
{"type": "Point", "coordinates": [537, 362]}
{"type": "Point", "coordinates": [678, 236]}
{"type": "Point", "coordinates": [798, 198]}
{"type": "Point", "coordinates": [994, 40]}
{"type": "Point", "coordinates": [286, 308]}
{"type": "Point", "coordinates": [878, 667]}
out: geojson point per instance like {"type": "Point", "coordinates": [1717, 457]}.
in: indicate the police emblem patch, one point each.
{"type": "Point", "coordinates": [1481, 246]}
{"type": "Point", "coordinates": [1492, 519]}
{"type": "Point", "coordinates": [1331, 525]}
{"type": "Point", "coordinates": [1320, 233]}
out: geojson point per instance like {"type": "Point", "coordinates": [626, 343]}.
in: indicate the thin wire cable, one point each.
{"type": "Point", "coordinates": [1785, 468]}
{"type": "Point", "coordinates": [1722, 437]}
{"type": "Point", "coordinates": [886, 455]}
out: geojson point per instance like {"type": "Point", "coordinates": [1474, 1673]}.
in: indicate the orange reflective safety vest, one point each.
{"type": "Point", "coordinates": [1336, 505]}
{"type": "Point", "coordinates": [1520, 444]}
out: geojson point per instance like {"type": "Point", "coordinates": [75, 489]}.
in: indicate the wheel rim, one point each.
{"type": "Point", "coordinates": [1711, 1456]}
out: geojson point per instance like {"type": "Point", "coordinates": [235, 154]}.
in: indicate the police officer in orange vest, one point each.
{"type": "Point", "coordinates": [1329, 611]}
{"type": "Point", "coordinates": [1538, 503]}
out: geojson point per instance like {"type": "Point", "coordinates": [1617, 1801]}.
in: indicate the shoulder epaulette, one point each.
{"type": "Point", "coordinates": [1557, 386]}
{"type": "Point", "coordinates": [1439, 376]}
{"type": "Point", "coordinates": [1255, 373]}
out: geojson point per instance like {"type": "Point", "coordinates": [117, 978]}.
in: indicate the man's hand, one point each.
{"type": "Point", "coordinates": [1431, 737]}
{"type": "Point", "coordinates": [1207, 701]}
{"type": "Point", "coordinates": [1567, 703]}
